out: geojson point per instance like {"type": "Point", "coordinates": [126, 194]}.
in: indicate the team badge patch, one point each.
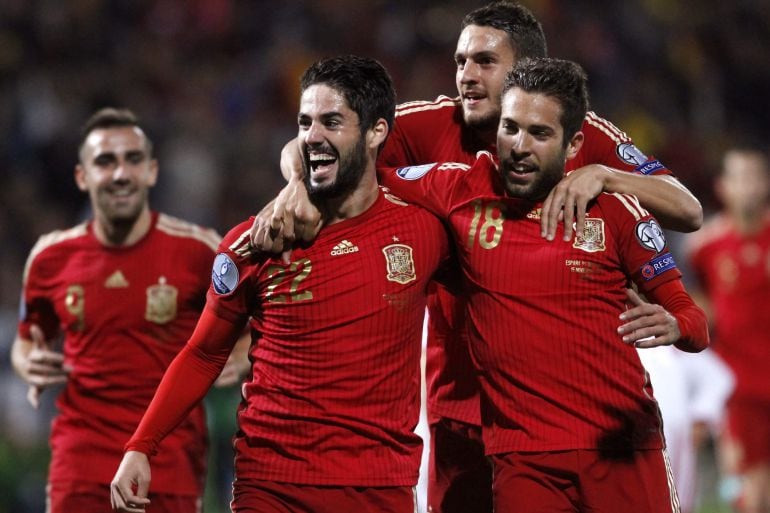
{"type": "Point", "coordinates": [629, 153]}
{"type": "Point", "coordinates": [592, 239]}
{"type": "Point", "coordinates": [400, 264]}
{"type": "Point", "coordinates": [161, 302]}
{"type": "Point", "coordinates": [224, 275]}
{"type": "Point", "coordinates": [414, 172]}
{"type": "Point", "coordinates": [650, 235]}
{"type": "Point", "coordinates": [658, 266]}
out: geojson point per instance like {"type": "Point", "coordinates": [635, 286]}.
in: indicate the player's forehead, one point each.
{"type": "Point", "coordinates": [114, 140]}
{"type": "Point", "coordinates": [477, 39]}
{"type": "Point", "coordinates": [530, 108]}
{"type": "Point", "coordinates": [323, 100]}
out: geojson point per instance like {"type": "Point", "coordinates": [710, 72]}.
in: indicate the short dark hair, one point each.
{"type": "Point", "coordinates": [363, 81]}
{"type": "Point", "coordinates": [524, 31]}
{"type": "Point", "coordinates": [111, 117]}
{"type": "Point", "coordinates": [563, 80]}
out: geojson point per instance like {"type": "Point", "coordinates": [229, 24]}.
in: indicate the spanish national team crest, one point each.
{"type": "Point", "coordinates": [400, 263]}
{"type": "Point", "coordinates": [161, 302]}
{"type": "Point", "coordinates": [593, 236]}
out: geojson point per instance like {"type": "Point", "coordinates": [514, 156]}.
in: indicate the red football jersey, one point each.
{"type": "Point", "coordinates": [734, 271]}
{"type": "Point", "coordinates": [124, 313]}
{"type": "Point", "coordinates": [334, 393]}
{"type": "Point", "coordinates": [543, 316]}
{"type": "Point", "coordinates": [426, 132]}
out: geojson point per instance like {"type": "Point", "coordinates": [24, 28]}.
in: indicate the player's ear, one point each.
{"type": "Point", "coordinates": [153, 170]}
{"type": "Point", "coordinates": [80, 177]}
{"type": "Point", "coordinates": [377, 134]}
{"type": "Point", "coordinates": [574, 144]}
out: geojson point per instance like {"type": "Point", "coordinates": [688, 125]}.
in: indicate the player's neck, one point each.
{"type": "Point", "coordinates": [355, 203]}
{"type": "Point", "coordinates": [122, 233]}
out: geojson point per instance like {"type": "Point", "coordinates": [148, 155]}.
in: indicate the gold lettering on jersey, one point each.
{"type": "Point", "coordinates": [491, 217]}
{"type": "Point", "coordinates": [161, 302]}
{"type": "Point", "coordinates": [400, 264]}
{"type": "Point", "coordinates": [278, 273]}
{"type": "Point", "coordinates": [580, 266]}
{"type": "Point", "coordinates": [75, 302]}
{"type": "Point", "coordinates": [116, 281]}
{"type": "Point", "coordinates": [592, 239]}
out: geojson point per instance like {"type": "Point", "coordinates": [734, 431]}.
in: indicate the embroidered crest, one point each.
{"type": "Point", "coordinates": [592, 239]}
{"type": "Point", "coordinates": [161, 302]}
{"type": "Point", "coordinates": [650, 235]}
{"type": "Point", "coordinates": [400, 263]}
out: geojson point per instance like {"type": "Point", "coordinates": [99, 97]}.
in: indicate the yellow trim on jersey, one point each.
{"type": "Point", "coordinates": [180, 228]}
{"type": "Point", "coordinates": [50, 239]}
{"type": "Point", "coordinates": [613, 132]}
{"type": "Point", "coordinates": [242, 246]}
{"type": "Point", "coordinates": [420, 106]}
{"type": "Point", "coordinates": [632, 204]}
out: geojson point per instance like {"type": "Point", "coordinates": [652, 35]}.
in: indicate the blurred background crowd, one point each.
{"type": "Point", "coordinates": [216, 84]}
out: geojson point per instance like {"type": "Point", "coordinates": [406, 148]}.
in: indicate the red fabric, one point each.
{"type": "Point", "coordinates": [543, 316]}
{"type": "Point", "coordinates": [693, 325]}
{"type": "Point", "coordinates": [124, 313]}
{"type": "Point", "coordinates": [734, 272]}
{"type": "Point", "coordinates": [334, 394]}
{"type": "Point", "coordinates": [253, 496]}
{"type": "Point", "coordinates": [628, 481]}
{"type": "Point", "coordinates": [89, 497]}
{"type": "Point", "coordinates": [433, 131]}
{"type": "Point", "coordinates": [748, 426]}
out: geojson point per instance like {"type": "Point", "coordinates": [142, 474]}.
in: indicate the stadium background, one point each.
{"type": "Point", "coordinates": [215, 82]}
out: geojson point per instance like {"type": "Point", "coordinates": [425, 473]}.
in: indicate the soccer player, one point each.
{"type": "Point", "coordinates": [731, 260]}
{"type": "Point", "coordinates": [568, 416]}
{"type": "Point", "coordinates": [492, 39]}
{"type": "Point", "coordinates": [125, 290]}
{"type": "Point", "coordinates": [328, 416]}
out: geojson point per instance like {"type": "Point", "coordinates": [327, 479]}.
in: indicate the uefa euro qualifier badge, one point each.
{"type": "Point", "coordinates": [224, 275]}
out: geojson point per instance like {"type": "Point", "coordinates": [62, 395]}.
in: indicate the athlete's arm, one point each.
{"type": "Point", "coordinates": [663, 195]}
{"type": "Point", "coordinates": [184, 384]}
{"type": "Point", "coordinates": [671, 318]}
{"type": "Point", "coordinates": [290, 216]}
{"type": "Point", "coordinates": [37, 363]}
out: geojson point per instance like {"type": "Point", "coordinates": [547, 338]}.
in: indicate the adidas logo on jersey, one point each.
{"type": "Point", "coordinates": [344, 247]}
{"type": "Point", "coordinates": [116, 281]}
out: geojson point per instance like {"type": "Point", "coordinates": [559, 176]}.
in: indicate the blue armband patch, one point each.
{"type": "Point", "coordinates": [649, 167]}
{"type": "Point", "coordinates": [658, 266]}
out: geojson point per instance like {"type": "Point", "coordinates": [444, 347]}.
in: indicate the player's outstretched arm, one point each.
{"type": "Point", "coordinates": [664, 196]}
{"type": "Point", "coordinates": [133, 474]}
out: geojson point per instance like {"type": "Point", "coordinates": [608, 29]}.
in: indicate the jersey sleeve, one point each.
{"type": "Point", "coordinates": [186, 381]}
{"type": "Point", "coordinates": [438, 186]}
{"type": "Point", "coordinates": [641, 243]}
{"type": "Point", "coordinates": [606, 144]}
{"type": "Point", "coordinates": [231, 294]}
{"type": "Point", "coordinates": [35, 305]}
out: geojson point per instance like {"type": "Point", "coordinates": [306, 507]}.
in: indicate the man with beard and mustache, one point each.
{"type": "Point", "coordinates": [124, 290]}
{"type": "Point", "coordinates": [492, 39]}
{"type": "Point", "coordinates": [569, 421]}
{"type": "Point", "coordinates": [328, 415]}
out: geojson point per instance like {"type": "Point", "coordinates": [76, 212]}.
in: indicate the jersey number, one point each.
{"type": "Point", "coordinates": [277, 274]}
{"type": "Point", "coordinates": [490, 217]}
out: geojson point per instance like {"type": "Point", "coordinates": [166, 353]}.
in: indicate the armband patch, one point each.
{"type": "Point", "coordinates": [224, 275]}
{"type": "Point", "coordinates": [658, 266]}
{"type": "Point", "coordinates": [630, 154]}
{"type": "Point", "coordinates": [414, 172]}
{"type": "Point", "coordinates": [650, 235]}
{"type": "Point", "coordinates": [649, 167]}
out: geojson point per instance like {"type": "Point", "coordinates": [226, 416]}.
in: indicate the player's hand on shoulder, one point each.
{"type": "Point", "coordinates": [129, 487]}
{"type": "Point", "coordinates": [647, 324]}
{"type": "Point", "coordinates": [290, 216]}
